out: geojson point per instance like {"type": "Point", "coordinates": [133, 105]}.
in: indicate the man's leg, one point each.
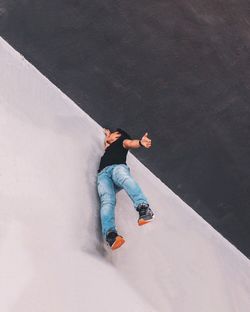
{"type": "Point", "coordinates": [106, 191]}
{"type": "Point", "coordinates": [123, 179]}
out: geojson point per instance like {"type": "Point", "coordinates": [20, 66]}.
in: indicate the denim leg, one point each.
{"type": "Point", "coordinates": [122, 178]}
{"type": "Point", "coordinates": [106, 191]}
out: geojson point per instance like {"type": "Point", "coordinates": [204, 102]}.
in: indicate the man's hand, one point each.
{"type": "Point", "coordinates": [145, 141]}
{"type": "Point", "coordinates": [110, 137]}
{"type": "Point", "coordinates": [106, 132]}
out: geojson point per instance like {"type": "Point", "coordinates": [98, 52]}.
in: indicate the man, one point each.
{"type": "Point", "coordinates": [114, 175]}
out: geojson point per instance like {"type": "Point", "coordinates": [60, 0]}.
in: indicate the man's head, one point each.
{"type": "Point", "coordinates": [112, 136]}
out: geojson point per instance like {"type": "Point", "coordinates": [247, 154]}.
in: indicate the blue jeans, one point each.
{"type": "Point", "coordinates": [109, 181]}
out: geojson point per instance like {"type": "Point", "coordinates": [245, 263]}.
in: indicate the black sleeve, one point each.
{"type": "Point", "coordinates": [125, 136]}
{"type": "Point", "coordinates": [122, 138]}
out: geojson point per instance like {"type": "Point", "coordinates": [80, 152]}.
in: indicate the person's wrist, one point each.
{"type": "Point", "coordinates": [140, 143]}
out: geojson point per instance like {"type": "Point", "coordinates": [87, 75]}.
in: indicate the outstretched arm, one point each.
{"type": "Point", "coordinates": [145, 141]}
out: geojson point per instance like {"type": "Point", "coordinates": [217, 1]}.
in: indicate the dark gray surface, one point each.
{"type": "Point", "coordinates": [178, 69]}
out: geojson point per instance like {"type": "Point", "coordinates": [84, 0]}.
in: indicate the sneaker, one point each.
{"type": "Point", "coordinates": [145, 214]}
{"type": "Point", "coordinates": [114, 240]}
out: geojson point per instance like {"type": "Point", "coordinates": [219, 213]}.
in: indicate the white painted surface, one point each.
{"type": "Point", "coordinates": [51, 254]}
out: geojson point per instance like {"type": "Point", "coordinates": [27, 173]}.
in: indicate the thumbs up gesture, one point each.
{"type": "Point", "coordinates": [145, 141]}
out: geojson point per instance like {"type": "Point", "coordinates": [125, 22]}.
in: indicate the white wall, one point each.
{"type": "Point", "coordinates": [51, 253]}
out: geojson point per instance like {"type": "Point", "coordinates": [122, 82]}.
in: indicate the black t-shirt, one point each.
{"type": "Point", "coordinates": [115, 153]}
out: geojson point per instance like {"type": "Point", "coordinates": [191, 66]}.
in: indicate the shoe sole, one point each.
{"type": "Point", "coordinates": [143, 222]}
{"type": "Point", "coordinates": [119, 241]}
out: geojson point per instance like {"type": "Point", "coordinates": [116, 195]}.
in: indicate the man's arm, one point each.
{"type": "Point", "coordinates": [145, 142]}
